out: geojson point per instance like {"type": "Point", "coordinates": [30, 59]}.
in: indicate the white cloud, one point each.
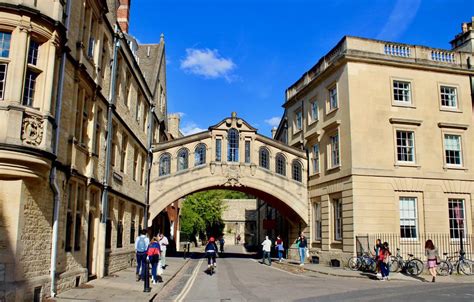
{"type": "Point", "coordinates": [400, 18]}
{"type": "Point", "coordinates": [191, 128]}
{"type": "Point", "coordinates": [274, 121]}
{"type": "Point", "coordinates": [208, 63]}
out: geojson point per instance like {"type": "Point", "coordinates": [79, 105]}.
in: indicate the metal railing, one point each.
{"type": "Point", "coordinates": [416, 246]}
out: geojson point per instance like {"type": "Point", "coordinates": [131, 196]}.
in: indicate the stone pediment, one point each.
{"type": "Point", "coordinates": [233, 122]}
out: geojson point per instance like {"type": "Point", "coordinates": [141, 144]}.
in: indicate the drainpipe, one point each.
{"type": "Point", "coordinates": [108, 148]}
{"type": "Point", "coordinates": [53, 181]}
{"type": "Point", "coordinates": [149, 159]}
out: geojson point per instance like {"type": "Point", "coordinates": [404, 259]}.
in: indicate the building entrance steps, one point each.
{"type": "Point", "coordinates": [344, 272]}
{"type": "Point", "coordinates": [122, 285]}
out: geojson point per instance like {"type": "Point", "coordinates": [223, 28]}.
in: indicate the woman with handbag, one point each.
{"type": "Point", "coordinates": [431, 253]}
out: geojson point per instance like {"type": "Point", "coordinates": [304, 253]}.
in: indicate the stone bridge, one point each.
{"type": "Point", "coordinates": [231, 155]}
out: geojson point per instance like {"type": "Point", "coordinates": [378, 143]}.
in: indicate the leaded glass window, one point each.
{"type": "Point", "coordinates": [233, 146]}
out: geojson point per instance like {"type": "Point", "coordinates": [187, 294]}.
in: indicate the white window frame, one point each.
{"type": "Point", "coordinates": [453, 219]}
{"type": "Point", "coordinates": [3, 81]}
{"type": "Point", "coordinates": [406, 217]}
{"type": "Point", "coordinates": [407, 99]}
{"type": "Point", "coordinates": [316, 159]}
{"type": "Point", "coordinates": [333, 98]}
{"type": "Point", "coordinates": [449, 97]}
{"type": "Point", "coordinates": [337, 216]}
{"type": "Point", "coordinates": [298, 120]}
{"type": "Point", "coordinates": [318, 231]}
{"type": "Point", "coordinates": [334, 148]}
{"type": "Point", "coordinates": [445, 146]}
{"type": "Point", "coordinates": [412, 147]}
{"type": "Point", "coordinates": [314, 111]}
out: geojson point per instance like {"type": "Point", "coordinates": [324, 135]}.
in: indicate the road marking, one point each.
{"type": "Point", "coordinates": [190, 283]}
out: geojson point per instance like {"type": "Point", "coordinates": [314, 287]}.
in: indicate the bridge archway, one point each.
{"type": "Point", "coordinates": [228, 156]}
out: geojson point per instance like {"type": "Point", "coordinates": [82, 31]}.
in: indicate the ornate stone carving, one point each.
{"type": "Point", "coordinates": [32, 130]}
{"type": "Point", "coordinates": [232, 174]}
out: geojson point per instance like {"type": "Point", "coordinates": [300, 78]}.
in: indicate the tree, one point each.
{"type": "Point", "coordinates": [201, 213]}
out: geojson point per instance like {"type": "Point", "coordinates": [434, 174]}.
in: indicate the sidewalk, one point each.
{"type": "Point", "coordinates": [121, 286]}
{"type": "Point", "coordinates": [344, 272]}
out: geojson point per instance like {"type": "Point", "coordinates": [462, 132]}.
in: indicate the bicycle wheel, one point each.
{"type": "Point", "coordinates": [371, 265]}
{"type": "Point", "coordinates": [466, 267]}
{"type": "Point", "coordinates": [394, 265]}
{"type": "Point", "coordinates": [443, 268]}
{"type": "Point", "coordinates": [354, 263]}
{"type": "Point", "coordinates": [414, 267]}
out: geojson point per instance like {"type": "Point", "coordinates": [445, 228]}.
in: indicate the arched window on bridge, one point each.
{"type": "Point", "coordinates": [233, 145]}
{"type": "Point", "coordinates": [263, 158]}
{"type": "Point", "coordinates": [296, 170]}
{"type": "Point", "coordinates": [165, 164]}
{"type": "Point", "coordinates": [182, 159]}
{"type": "Point", "coordinates": [200, 155]}
{"type": "Point", "coordinates": [280, 164]}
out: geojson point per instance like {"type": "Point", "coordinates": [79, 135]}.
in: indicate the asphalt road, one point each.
{"type": "Point", "coordinates": [241, 278]}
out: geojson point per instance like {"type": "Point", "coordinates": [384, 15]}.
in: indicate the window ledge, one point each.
{"type": "Point", "coordinates": [403, 104]}
{"type": "Point", "coordinates": [408, 164]}
{"type": "Point", "coordinates": [338, 167]}
{"type": "Point", "coordinates": [330, 111]}
{"type": "Point", "coordinates": [449, 167]}
{"type": "Point", "coordinates": [316, 173]}
{"type": "Point", "coordinates": [311, 122]}
{"type": "Point", "coordinates": [453, 126]}
{"type": "Point", "coordinates": [449, 109]}
{"type": "Point", "coordinates": [297, 131]}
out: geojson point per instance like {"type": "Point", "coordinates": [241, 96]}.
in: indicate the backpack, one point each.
{"type": "Point", "coordinates": [141, 245]}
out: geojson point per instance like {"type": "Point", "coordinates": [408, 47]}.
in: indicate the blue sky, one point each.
{"type": "Point", "coordinates": [230, 55]}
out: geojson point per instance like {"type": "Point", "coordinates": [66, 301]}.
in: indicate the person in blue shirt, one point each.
{"type": "Point", "coordinates": [211, 250]}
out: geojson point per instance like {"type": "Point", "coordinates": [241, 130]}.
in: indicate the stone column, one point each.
{"type": "Point", "coordinates": [18, 63]}
{"type": "Point", "coordinates": [49, 73]}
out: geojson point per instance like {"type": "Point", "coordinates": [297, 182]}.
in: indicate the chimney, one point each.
{"type": "Point", "coordinates": [123, 15]}
{"type": "Point", "coordinates": [173, 124]}
{"type": "Point", "coordinates": [274, 130]}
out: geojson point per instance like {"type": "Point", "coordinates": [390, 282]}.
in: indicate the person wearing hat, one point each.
{"type": "Point", "coordinates": [211, 250]}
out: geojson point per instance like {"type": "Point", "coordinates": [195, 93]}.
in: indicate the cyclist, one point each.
{"type": "Point", "coordinates": [211, 249]}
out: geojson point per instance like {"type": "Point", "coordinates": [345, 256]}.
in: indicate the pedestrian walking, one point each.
{"type": "Point", "coordinates": [141, 246]}
{"type": "Point", "coordinates": [221, 244]}
{"type": "Point", "coordinates": [431, 253]}
{"type": "Point", "coordinates": [302, 245]}
{"type": "Point", "coordinates": [163, 246]}
{"type": "Point", "coordinates": [279, 248]}
{"type": "Point", "coordinates": [238, 239]}
{"type": "Point", "coordinates": [153, 254]}
{"type": "Point", "coordinates": [384, 257]}
{"type": "Point", "coordinates": [267, 248]}
{"type": "Point", "coordinates": [377, 247]}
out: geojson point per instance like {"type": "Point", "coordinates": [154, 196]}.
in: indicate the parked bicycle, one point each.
{"type": "Point", "coordinates": [365, 262]}
{"type": "Point", "coordinates": [462, 265]}
{"type": "Point", "coordinates": [412, 266]}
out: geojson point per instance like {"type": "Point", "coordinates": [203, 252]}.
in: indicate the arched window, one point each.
{"type": "Point", "coordinates": [263, 158]}
{"type": "Point", "coordinates": [280, 164]}
{"type": "Point", "coordinates": [296, 170]}
{"type": "Point", "coordinates": [182, 159]}
{"type": "Point", "coordinates": [233, 145]}
{"type": "Point", "coordinates": [165, 164]}
{"type": "Point", "coordinates": [200, 155]}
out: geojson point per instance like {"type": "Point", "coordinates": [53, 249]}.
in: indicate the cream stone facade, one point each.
{"type": "Point", "coordinates": [81, 102]}
{"type": "Point", "coordinates": [388, 130]}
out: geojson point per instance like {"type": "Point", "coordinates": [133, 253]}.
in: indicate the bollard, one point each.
{"type": "Point", "coordinates": [146, 285]}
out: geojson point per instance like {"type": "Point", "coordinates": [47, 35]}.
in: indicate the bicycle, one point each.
{"type": "Point", "coordinates": [446, 267]}
{"type": "Point", "coordinates": [365, 262]}
{"type": "Point", "coordinates": [413, 266]}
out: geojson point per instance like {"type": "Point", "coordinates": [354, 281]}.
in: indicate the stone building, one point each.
{"type": "Point", "coordinates": [240, 219]}
{"type": "Point", "coordinates": [81, 102]}
{"type": "Point", "coordinates": [388, 128]}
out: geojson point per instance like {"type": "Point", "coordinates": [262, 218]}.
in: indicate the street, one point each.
{"type": "Point", "coordinates": [240, 277]}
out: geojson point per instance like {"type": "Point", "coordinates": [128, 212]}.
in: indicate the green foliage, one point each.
{"type": "Point", "coordinates": [201, 213]}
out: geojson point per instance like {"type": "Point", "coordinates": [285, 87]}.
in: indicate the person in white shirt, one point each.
{"type": "Point", "coordinates": [266, 248]}
{"type": "Point", "coordinates": [163, 245]}
{"type": "Point", "coordinates": [141, 246]}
